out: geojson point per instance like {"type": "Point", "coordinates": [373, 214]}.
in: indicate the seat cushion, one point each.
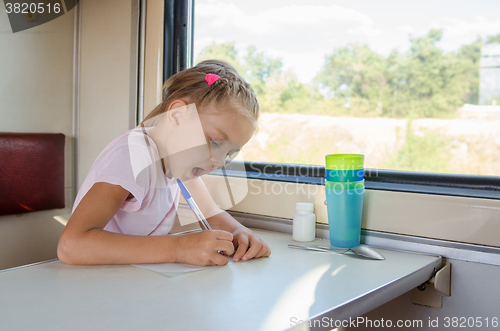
{"type": "Point", "coordinates": [31, 172]}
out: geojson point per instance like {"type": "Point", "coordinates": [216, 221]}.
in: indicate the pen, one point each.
{"type": "Point", "coordinates": [193, 205]}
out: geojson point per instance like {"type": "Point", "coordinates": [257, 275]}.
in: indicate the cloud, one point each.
{"type": "Point", "coordinates": [298, 34]}
{"type": "Point", "coordinates": [279, 19]}
{"type": "Point", "coordinates": [365, 30]}
{"type": "Point", "coordinates": [303, 34]}
{"type": "Point", "coordinates": [291, 26]}
{"type": "Point", "coordinates": [457, 32]}
{"type": "Point", "coordinates": [228, 16]}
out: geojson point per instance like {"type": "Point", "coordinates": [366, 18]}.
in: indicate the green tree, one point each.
{"type": "Point", "coordinates": [355, 76]}
{"type": "Point", "coordinates": [276, 90]}
{"type": "Point", "coordinates": [493, 39]}
{"type": "Point", "coordinates": [259, 68]}
{"type": "Point", "coordinates": [225, 52]}
{"type": "Point", "coordinates": [434, 80]}
{"type": "Point", "coordinates": [422, 82]}
{"type": "Point", "coordinates": [470, 56]}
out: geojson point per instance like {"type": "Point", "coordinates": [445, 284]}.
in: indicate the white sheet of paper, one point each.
{"type": "Point", "coordinates": [171, 269]}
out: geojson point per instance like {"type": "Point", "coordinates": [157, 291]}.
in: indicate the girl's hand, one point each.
{"type": "Point", "coordinates": [201, 248]}
{"type": "Point", "coordinates": [248, 245]}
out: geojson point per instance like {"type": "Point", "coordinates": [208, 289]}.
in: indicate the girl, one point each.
{"type": "Point", "coordinates": [126, 206]}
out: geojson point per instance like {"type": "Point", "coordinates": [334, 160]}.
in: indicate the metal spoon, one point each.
{"type": "Point", "coordinates": [319, 248]}
{"type": "Point", "coordinates": [360, 250]}
{"type": "Point", "coordinates": [367, 252]}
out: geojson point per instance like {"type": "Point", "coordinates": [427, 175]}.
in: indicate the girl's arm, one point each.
{"type": "Point", "coordinates": [247, 244]}
{"type": "Point", "coordinates": [84, 241]}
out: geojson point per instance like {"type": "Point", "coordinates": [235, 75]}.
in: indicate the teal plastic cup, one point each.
{"type": "Point", "coordinates": [354, 175]}
{"type": "Point", "coordinates": [344, 203]}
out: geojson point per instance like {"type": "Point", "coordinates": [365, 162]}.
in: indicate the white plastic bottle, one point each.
{"type": "Point", "coordinates": [304, 222]}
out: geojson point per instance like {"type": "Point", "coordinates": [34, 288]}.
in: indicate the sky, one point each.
{"type": "Point", "coordinates": [303, 33]}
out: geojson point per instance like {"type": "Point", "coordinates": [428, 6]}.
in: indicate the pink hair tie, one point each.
{"type": "Point", "coordinates": [211, 78]}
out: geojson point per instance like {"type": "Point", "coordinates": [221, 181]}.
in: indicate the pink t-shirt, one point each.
{"type": "Point", "coordinates": [132, 161]}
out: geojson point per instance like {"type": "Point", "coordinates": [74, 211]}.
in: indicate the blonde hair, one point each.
{"type": "Point", "coordinates": [190, 85]}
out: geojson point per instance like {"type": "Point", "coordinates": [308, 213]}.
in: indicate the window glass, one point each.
{"type": "Point", "coordinates": [415, 86]}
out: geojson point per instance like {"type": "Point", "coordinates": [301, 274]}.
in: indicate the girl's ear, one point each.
{"type": "Point", "coordinates": [176, 110]}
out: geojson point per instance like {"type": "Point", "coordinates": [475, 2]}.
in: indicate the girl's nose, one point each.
{"type": "Point", "coordinates": [217, 161]}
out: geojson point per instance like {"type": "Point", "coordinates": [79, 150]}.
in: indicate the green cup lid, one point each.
{"type": "Point", "coordinates": [345, 161]}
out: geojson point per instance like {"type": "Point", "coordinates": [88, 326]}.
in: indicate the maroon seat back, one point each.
{"type": "Point", "coordinates": [31, 172]}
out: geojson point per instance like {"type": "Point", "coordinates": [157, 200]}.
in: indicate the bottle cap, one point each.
{"type": "Point", "coordinates": [307, 207]}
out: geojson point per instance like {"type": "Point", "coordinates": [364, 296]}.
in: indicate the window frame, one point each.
{"type": "Point", "coordinates": [473, 186]}
{"type": "Point", "coordinates": [178, 36]}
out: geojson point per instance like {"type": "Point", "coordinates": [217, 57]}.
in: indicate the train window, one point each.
{"type": "Point", "coordinates": [414, 87]}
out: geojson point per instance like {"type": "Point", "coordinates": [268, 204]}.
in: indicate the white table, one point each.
{"type": "Point", "coordinates": [264, 294]}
